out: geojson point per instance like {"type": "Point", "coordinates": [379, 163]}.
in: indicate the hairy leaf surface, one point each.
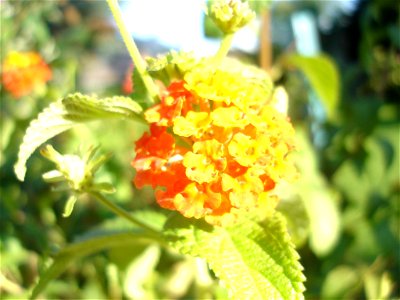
{"type": "Point", "coordinates": [254, 260]}
{"type": "Point", "coordinates": [67, 113]}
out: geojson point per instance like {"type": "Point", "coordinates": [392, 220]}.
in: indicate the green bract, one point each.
{"type": "Point", "coordinates": [76, 173]}
{"type": "Point", "coordinates": [171, 66]}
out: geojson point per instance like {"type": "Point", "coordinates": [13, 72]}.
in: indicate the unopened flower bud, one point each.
{"type": "Point", "coordinates": [77, 172]}
{"type": "Point", "coordinates": [230, 15]}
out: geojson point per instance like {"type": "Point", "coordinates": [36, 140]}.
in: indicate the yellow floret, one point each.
{"type": "Point", "coordinates": [192, 204]}
{"type": "Point", "coordinates": [246, 87]}
{"type": "Point", "coordinates": [244, 190]}
{"type": "Point", "coordinates": [228, 117]}
{"type": "Point", "coordinates": [244, 149]}
{"type": "Point", "coordinates": [194, 124]}
{"type": "Point", "coordinates": [205, 163]}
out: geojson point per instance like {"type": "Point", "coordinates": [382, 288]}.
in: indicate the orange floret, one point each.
{"type": "Point", "coordinates": [176, 101]}
{"type": "Point", "coordinates": [23, 72]}
{"type": "Point", "coordinates": [158, 163]}
{"type": "Point", "coordinates": [127, 84]}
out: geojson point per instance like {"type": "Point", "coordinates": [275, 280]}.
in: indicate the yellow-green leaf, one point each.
{"type": "Point", "coordinates": [323, 76]}
{"type": "Point", "coordinates": [254, 260]}
{"type": "Point", "coordinates": [66, 113]}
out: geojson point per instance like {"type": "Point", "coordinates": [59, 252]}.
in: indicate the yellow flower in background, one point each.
{"type": "Point", "coordinates": [22, 72]}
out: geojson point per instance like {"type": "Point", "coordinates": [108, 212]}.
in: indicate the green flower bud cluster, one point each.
{"type": "Point", "coordinates": [230, 15]}
{"type": "Point", "coordinates": [172, 65]}
{"type": "Point", "coordinates": [76, 174]}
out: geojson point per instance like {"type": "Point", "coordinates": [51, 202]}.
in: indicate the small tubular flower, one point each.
{"type": "Point", "coordinates": [194, 124]}
{"type": "Point", "coordinates": [229, 117]}
{"type": "Point", "coordinates": [248, 186]}
{"type": "Point", "coordinates": [218, 147]}
{"type": "Point", "coordinates": [248, 88]}
{"type": "Point", "coordinates": [22, 72]}
{"type": "Point", "coordinates": [158, 159]}
{"type": "Point", "coordinates": [244, 149]}
{"type": "Point", "coordinates": [191, 202]}
{"type": "Point", "coordinates": [176, 101]}
{"type": "Point", "coordinates": [206, 162]}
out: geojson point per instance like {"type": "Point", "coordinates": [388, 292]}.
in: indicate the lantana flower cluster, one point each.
{"type": "Point", "coordinates": [22, 72]}
{"type": "Point", "coordinates": [217, 145]}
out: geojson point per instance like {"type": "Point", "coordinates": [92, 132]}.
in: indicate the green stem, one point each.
{"type": "Point", "coordinates": [124, 214]}
{"type": "Point", "coordinates": [224, 47]}
{"type": "Point", "coordinates": [138, 61]}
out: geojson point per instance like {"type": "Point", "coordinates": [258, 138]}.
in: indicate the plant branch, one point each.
{"type": "Point", "coordinates": [224, 47]}
{"type": "Point", "coordinates": [140, 64]}
{"type": "Point", "coordinates": [265, 41]}
{"type": "Point", "coordinates": [124, 214]}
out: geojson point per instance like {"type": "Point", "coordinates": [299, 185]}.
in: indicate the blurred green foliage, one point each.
{"type": "Point", "coordinates": [343, 212]}
{"type": "Point", "coordinates": [349, 165]}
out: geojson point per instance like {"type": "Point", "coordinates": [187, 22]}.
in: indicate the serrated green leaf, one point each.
{"type": "Point", "coordinates": [66, 113]}
{"type": "Point", "coordinates": [90, 107]}
{"type": "Point", "coordinates": [323, 77]}
{"type": "Point", "coordinates": [82, 249]}
{"type": "Point", "coordinates": [254, 260]}
{"type": "Point", "coordinates": [297, 219]}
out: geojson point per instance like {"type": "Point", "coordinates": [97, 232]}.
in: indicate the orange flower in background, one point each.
{"type": "Point", "coordinates": [22, 72]}
{"type": "Point", "coordinates": [127, 84]}
{"type": "Point", "coordinates": [217, 146]}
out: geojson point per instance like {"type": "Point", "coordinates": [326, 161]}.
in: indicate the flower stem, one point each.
{"type": "Point", "coordinates": [138, 61]}
{"type": "Point", "coordinates": [124, 214]}
{"type": "Point", "coordinates": [224, 47]}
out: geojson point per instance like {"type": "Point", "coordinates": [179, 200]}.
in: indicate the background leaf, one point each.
{"type": "Point", "coordinates": [254, 260]}
{"type": "Point", "coordinates": [260, 5]}
{"type": "Point", "coordinates": [67, 113]}
{"type": "Point", "coordinates": [319, 200]}
{"type": "Point", "coordinates": [350, 278]}
{"type": "Point", "coordinates": [139, 272]}
{"type": "Point", "coordinates": [297, 219]}
{"type": "Point", "coordinates": [322, 75]}
{"type": "Point", "coordinates": [82, 249]}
